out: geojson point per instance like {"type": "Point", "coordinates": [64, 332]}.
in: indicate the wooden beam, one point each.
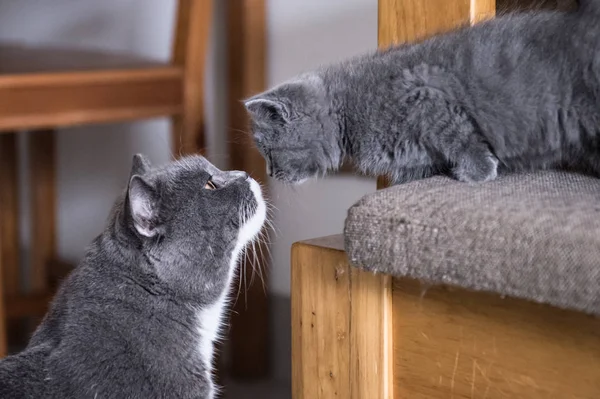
{"type": "Point", "coordinates": [194, 21]}
{"type": "Point", "coordinates": [402, 21]}
{"type": "Point", "coordinates": [341, 325]}
{"type": "Point", "coordinates": [40, 101]}
{"type": "Point", "coordinates": [246, 55]}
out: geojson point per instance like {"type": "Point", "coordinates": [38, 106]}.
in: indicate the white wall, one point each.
{"type": "Point", "coordinates": [94, 160]}
{"type": "Point", "coordinates": [302, 35]}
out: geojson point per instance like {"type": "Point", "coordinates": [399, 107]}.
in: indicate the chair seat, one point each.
{"type": "Point", "coordinates": [17, 58]}
{"type": "Point", "coordinates": [44, 87]}
{"type": "Point", "coordinates": [531, 236]}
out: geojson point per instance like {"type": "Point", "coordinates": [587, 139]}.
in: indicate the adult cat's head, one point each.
{"type": "Point", "coordinates": [189, 221]}
{"type": "Point", "coordinates": [296, 130]}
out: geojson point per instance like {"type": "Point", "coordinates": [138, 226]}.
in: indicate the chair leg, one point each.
{"type": "Point", "coordinates": [42, 180]}
{"type": "Point", "coordinates": [9, 213]}
{"type": "Point", "coordinates": [189, 52]}
{"type": "Point", "coordinates": [9, 263]}
{"type": "Point", "coordinates": [9, 227]}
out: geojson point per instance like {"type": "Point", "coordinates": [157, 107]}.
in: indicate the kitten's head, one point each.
{"type": "Point", "coordinates": [296, 130]}
{"type": "Point", "coordinates": [190, 221]}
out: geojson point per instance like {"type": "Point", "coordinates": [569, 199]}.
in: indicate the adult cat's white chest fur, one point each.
{"type": "Point", "coordinates": [210, 318]}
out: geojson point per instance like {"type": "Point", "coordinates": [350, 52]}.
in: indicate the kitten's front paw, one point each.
{"type": "Point", "coordinates": [477, 168]}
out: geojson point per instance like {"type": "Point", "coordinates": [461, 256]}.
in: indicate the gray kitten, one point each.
{"type": "Point", "coordinates": [520, 92]}
{"type": "Point", "coordinates": [138, 317]}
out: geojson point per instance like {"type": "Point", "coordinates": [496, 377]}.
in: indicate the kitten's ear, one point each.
{"type": "Point", "coordinates": [140, 165]}
{"type": "Point", "coordinates": [264, 108]}
{"type": "Point", "coordinates": [143, 203]}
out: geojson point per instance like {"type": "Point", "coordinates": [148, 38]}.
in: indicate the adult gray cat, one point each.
{"type": "Point", "coordinates": [138, 317]}
{"type": "Point", "coordinates": [518, 92]}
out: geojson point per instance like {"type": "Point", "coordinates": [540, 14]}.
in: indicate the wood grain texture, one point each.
{"type": "Point", "coordinates": [194, 21]}
{"type": "Point", "coordinates": [341, 325]}
{"type": "Point", "coordinates": [246, 72]}
{"type": "Point", "coordinates": [42, 178]}
{"type": "Point", "coordinates": [9, 214]}
{"type": "Point", "coordinates": [320, 323]}
{"type": "Point", "coordinates": [403, 21]}
{"type": "Point", "coordinates": [459, 344]}
{"type": "Point", "coordinates": [50, 100]}
{"type": "Point", "coordinates": [371, 356]}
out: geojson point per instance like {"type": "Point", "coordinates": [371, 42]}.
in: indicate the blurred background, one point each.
{"type": "Point", "coordinates": [93, 160]}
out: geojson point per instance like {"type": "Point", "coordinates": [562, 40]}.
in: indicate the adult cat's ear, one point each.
{"type": "Point", "coordinates": [140, 165]}
{"type": "Point", "coordinates": [143, 203]}
{"type": "Point", "coordinates": [264, 108]}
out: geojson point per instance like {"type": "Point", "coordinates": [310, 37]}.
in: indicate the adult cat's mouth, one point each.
{"type": "Point", "coordinates": [253, 219]}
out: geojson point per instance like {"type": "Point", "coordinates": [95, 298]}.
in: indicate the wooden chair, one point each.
{"type": "Point", "coordinates": [42, 89]}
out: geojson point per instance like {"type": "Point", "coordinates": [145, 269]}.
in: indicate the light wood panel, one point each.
{"type": "Point", "coordinates": [341, 325]}
{"type": "Point", "coordinates": [402, 21]}
{"type": "Point", "coordinates": [189, 52]}
{"type": "Point", "coordinates": [246, 73]}
{"type": "Point", "coordinates": [371, 366]}
{"type": "Point", "coordinates": [320, 323]}
{"type": "Point", "coordinates": [460, 344]}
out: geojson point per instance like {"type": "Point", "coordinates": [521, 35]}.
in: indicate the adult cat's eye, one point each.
{"type": "Point", "coordinates": [210, 185]}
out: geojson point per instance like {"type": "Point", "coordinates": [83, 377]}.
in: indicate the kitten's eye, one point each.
{"type": "Point", "coordinates": [210, 185]}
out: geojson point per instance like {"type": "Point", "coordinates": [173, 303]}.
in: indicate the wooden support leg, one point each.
{"type": "Point", "coordinates": [9, 228]}
{"type": "Point", "coordinates": [9, 213]}
{"type": "Point", "coordinates": [246, 76]}
{"type": "Point", "coordinates": [42, 178]}
{"type": "Point", "coordinates": [341, 326]}
{"type": "Point", "coordinates": [190, 49]}
{"type": "Point", "coordinates": [3, 323]}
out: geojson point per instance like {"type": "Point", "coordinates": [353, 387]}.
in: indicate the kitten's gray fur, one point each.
{"type": "Point", "coordinates": [519, 92]}
{"type": "Point", "coordinates": [137, 318]}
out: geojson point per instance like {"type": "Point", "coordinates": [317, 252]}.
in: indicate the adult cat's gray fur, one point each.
{"type": "Point", "coordinates": [137, 318]}
{"type": "Point", "coordinates": [518, 92]}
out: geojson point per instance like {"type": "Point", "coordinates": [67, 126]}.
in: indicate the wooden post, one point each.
{"type": "Point", "coordinates": [403, 21]}
{"type": "Point", "coordinates": [246, 54]}
{"type": "Point", "coordinates": [341, 325]}
{"type": "Point", "coordinates": [42, 180]}
{"type": "Point", "coordinates": [189, 52]}
{"type": "Point", "coordinates": [9, 213]}
{"type": "Point", "coordinates": [3, 323]}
